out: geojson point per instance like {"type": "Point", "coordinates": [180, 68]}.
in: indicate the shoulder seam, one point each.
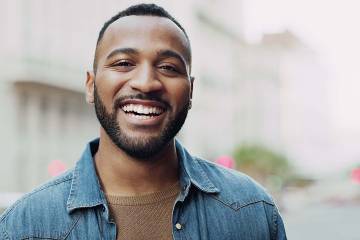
{"type": "Point", "coordinates": [237, 207]}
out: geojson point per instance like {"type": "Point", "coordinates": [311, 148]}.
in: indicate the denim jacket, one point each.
{"type": "Point", "coordinates": [213, 203]}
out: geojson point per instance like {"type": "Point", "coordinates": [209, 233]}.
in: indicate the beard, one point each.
{"type": "Point", "coordinates": [141, 148]}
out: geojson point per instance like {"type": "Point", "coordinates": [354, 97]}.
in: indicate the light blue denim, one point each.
{"type": "Point", "coordinates": [214, 203]}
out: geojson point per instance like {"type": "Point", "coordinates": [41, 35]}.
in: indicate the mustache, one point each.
{"type": "Point", "coordinates": [140, 96]}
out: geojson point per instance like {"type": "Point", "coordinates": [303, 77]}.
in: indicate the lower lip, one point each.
{"type": "Point", "coordinates": [138, 120]}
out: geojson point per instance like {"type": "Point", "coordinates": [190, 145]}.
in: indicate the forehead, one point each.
{"type": "Point", "coordinates": [144, 33]}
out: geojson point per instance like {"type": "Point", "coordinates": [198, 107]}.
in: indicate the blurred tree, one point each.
{"type": "Point", "coordinates": [266, 166]}
{"type": "Point", "coordinates": [270, 168]}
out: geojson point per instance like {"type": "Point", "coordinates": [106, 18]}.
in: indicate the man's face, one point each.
{"type": "Point", "coordinates": [142, 86]}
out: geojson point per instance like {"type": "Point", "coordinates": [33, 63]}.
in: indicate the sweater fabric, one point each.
{"type": "Point", "coordinates": [145, 216]}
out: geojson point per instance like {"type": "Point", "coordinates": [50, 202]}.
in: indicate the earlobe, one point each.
{"type": "Point", "coordinates": [90, 78]}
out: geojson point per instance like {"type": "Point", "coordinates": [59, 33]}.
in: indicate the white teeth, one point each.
{"type": "Point", "coordinates": [136, 108]}
{"type": "Point", "coordinates": [141, 109]}
{"type": "Point", "coordinates": [141, 117]}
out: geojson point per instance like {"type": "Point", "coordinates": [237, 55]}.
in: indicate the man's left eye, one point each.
{"type": "Point", "coordinates": [168, 68]}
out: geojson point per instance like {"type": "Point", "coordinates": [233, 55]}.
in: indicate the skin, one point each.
{"type": "Point", "coordinates": [146, 55]}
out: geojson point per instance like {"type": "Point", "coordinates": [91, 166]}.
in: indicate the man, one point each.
{"type": "Point", "coordinates": [136, 181]}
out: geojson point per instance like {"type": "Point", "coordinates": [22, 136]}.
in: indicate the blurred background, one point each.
{"type": "Point", "coordinates": [275, 96]}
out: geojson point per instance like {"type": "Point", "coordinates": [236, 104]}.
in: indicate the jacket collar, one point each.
{"type": "Point", "coordinates": [192, 172]}
{"type": "Point", "coordinates": [85, 188]}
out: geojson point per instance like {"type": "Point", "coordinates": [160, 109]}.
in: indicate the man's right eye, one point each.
{"type": "Point", "coordinates": [123, 63]}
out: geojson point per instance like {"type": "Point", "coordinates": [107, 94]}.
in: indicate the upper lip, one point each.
{"type": "Point", "coordinates": [150, 103]}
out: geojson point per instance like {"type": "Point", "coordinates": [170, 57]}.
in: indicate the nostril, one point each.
{"type": "Point", "coordinates": [146, 85]}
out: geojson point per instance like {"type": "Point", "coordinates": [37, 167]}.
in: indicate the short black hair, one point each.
{"type": "Point", "coordinates": [139, 10]}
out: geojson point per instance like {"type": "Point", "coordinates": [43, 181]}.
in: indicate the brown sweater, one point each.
{"type": "Point", "coordinates": [145, 216]}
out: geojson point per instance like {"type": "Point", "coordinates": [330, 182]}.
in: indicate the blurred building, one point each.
{"type": "Point", "coordinates": [283, 100]}
{"type": "Point", "coordinates": [274, 93]}
{"type": "Point", "coordinates": [244, 92]}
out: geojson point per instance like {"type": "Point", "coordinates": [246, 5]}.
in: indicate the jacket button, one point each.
{"type": "Point", "coordinates": [178, 226]}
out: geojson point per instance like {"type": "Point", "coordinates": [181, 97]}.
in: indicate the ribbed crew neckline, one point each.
{"type": "Point", "coordinates": [146, 199]}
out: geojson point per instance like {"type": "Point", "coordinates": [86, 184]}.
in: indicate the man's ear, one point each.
{"type": "Point", "coordinates": [191, 87]}
{"type": "Point", "coordinates": [191, 91]}
{"type": "Point", "coordinates": [90, 84]}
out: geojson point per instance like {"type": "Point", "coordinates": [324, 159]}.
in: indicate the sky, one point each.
{"type": "Point", "coordinates": [331, 28]}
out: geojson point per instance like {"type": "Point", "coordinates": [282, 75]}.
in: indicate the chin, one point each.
{"type": "Point", "coordinates": [144, 151]}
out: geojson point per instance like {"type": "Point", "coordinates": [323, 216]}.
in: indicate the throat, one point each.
{"type": "Point", "coordinates": [121, 174]}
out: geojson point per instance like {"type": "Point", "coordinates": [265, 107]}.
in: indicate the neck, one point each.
{"type": "Point", "coordinates": [121, 174]}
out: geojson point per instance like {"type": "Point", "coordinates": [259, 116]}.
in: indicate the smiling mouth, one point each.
{"type": "Point", "coordinates": [141, 111]}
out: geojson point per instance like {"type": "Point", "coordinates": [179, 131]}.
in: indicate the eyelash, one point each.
{"type": "Point", "coordinates": [123, 63]}
{"type": "Point", "coordinates": [127, 64]}
{"type": "Point", "coordinates": [169, 68]}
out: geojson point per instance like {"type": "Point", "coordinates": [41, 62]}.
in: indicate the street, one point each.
{"type": "Point", "coordinates": [328, 222]}
{"type": "Point", "coordinates": [330, 209]}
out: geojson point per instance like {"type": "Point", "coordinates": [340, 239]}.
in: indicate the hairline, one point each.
{"type": "Point", "coordinates": [104, 30]}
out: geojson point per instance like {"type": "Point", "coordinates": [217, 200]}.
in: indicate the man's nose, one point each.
{"type": "Point", "coordinates": [145, 80]}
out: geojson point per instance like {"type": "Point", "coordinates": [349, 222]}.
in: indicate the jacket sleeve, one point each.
{"type": "Point", "coordinates": [279, 232]}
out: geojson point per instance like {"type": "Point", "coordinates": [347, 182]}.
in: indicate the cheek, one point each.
{"type": "Point", "coordinates": [179, 93]}
{"type": "Point", "coordinates": [109, 83]}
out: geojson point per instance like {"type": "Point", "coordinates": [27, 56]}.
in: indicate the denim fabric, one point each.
{"type": "Point", "coordinates": [214, 203]}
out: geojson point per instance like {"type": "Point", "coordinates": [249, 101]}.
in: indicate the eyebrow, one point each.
{"type": "Point", "coordinates": [161, 53]}
{"type": "Point", "coordinates": [169, 53]}
{"type": "Point", "coordinates": [122, 51]}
